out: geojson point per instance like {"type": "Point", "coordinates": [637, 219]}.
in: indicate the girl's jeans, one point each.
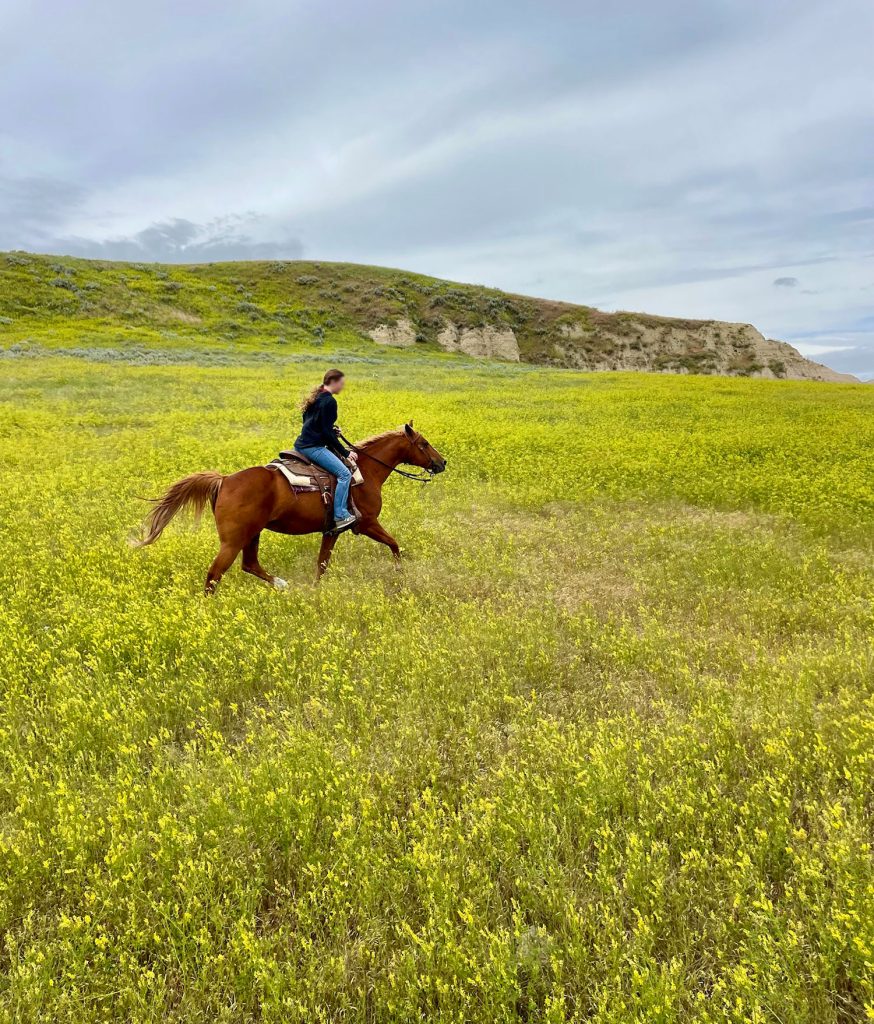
{"type": "Point", "coordinates": [329, 461]}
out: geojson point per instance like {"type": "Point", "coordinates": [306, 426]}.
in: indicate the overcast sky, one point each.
{"type": "Point", "coordinates": [703, 159]}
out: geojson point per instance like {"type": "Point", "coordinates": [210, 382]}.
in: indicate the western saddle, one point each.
{"type": "Point", "coordinates": [304, 475]}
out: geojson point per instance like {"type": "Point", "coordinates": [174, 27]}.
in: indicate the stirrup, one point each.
{"type": "Point", "coordinates": [343, 525]}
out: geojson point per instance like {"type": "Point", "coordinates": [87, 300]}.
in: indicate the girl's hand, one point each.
{"type": "Point", "coordinates": [352, 456]}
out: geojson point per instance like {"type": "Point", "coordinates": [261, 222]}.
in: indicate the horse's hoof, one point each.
{"type": "Point", "coordinates": [279, 583]}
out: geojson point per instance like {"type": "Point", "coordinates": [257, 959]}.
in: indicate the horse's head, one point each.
{"type": "Point", "coordinates": [420, 452]}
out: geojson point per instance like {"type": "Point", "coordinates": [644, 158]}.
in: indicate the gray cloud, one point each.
{"type": "Point", "coordinates": [786, 282]}
{"type": "Point", "coordinates": [30, 206]}
{"type": "Point", "coordinates": [182, 241]}
{"type": "Point", "coordinates": [680, 158]}
{"type": "Point", "coordinates": [848, 346]}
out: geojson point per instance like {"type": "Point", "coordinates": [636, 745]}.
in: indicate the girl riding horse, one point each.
{"type": "Point", "coordinates": [259, 498]}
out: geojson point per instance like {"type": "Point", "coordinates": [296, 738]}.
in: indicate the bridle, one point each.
{"type": "Point", "coordinates": [420, 479]}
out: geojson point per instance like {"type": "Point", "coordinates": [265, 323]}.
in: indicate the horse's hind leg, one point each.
{"type": "Point", "coordinates": [221, 563]}
{"type": "Point", "coordinates": [253, 566]}
{"type": "Point", "coordinates": [233, 536]}
{"type": "Point", "coordinates": [242, 510]}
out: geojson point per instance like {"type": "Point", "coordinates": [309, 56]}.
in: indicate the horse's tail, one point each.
{"type": "Point", "coordinates": [194, 490]}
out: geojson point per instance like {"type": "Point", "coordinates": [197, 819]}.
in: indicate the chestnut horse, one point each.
{"type": "Point", "coordinates": [257, 499]}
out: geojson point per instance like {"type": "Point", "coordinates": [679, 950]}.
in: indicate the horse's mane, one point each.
{"type": "Point", "coordinates": [378, 437]}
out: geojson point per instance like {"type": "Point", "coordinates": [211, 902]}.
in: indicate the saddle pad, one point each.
{"type": "Point", "coordinates": [293, 478]}
{"type": "Point", "coordinates": [306, 482]}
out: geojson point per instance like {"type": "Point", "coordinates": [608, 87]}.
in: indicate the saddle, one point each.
{"type": "Point", "coordinates": [304, 475]}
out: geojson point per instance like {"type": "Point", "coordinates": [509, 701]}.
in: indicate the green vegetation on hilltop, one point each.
{"type": "Point", "coordinates": [289, 302]}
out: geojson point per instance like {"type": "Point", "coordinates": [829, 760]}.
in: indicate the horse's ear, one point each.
{"type": "Point", "coordinates": [408, 429]}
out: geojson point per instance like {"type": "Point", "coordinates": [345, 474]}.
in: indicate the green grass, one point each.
{"type": "Point", "coordinates": [601, 751]}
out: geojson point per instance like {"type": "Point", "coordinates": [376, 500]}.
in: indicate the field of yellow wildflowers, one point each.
{"type": "Point", "coordinates": [602, 750]}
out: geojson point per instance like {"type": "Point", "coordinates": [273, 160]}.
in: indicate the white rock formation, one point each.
{"type": "Point", "coordinates": [401, 334]}
{"type": "Point", "coordinates": [652, 344]}
{"type": "Point", "coordinates": [488, 342]}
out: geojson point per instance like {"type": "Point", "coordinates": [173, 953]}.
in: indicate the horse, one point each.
{"type": "Point", "coordinates": [256, 499]}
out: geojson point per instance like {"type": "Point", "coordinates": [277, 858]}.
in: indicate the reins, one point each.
{"type": "Point", "coordinates": [426, 479]}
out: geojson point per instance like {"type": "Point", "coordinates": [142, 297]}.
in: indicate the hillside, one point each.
{"type": "Point", "coordinates": [302, 302]}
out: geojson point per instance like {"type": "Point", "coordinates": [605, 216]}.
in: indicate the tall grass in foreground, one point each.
{"type": "Point", "coordinates": [602, 751]}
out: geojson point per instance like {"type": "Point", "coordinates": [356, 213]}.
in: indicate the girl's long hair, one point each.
{"type": "Point", "coordinates": [314, 393]}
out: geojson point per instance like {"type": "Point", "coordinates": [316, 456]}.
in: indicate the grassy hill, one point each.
{"type": "Point", "coordinates": [294, 303]}
{"type": "Point", "coordinates": [602, 751]}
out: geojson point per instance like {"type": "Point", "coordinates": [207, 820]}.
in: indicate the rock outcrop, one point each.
{"type": "Point", "coordinates": [622, 341]}
{"type": "Point", "coordinates": [487, 342]}
{"type": "Point", "coordinates": [401, 334]}
{"type": "Point", "coordinates": [627, 341]}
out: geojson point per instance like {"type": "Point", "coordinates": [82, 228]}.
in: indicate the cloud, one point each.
{"type": "Point", "coordinates": [33, 206]}
{"type": "Point", "coordinates": [786, 282]}
{"type": "Point", "coordinates": [807, 349]}
{"type": "Point", "coordinates": [182, 241]}
{"type": "Point", "coordinates": [848, 347]}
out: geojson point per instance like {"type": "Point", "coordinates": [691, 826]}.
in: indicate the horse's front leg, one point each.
{"type": "Point", "coordinates": [376, 532]}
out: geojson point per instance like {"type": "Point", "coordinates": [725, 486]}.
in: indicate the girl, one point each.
{"type": "Point", "coordinates": [318, 441]}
